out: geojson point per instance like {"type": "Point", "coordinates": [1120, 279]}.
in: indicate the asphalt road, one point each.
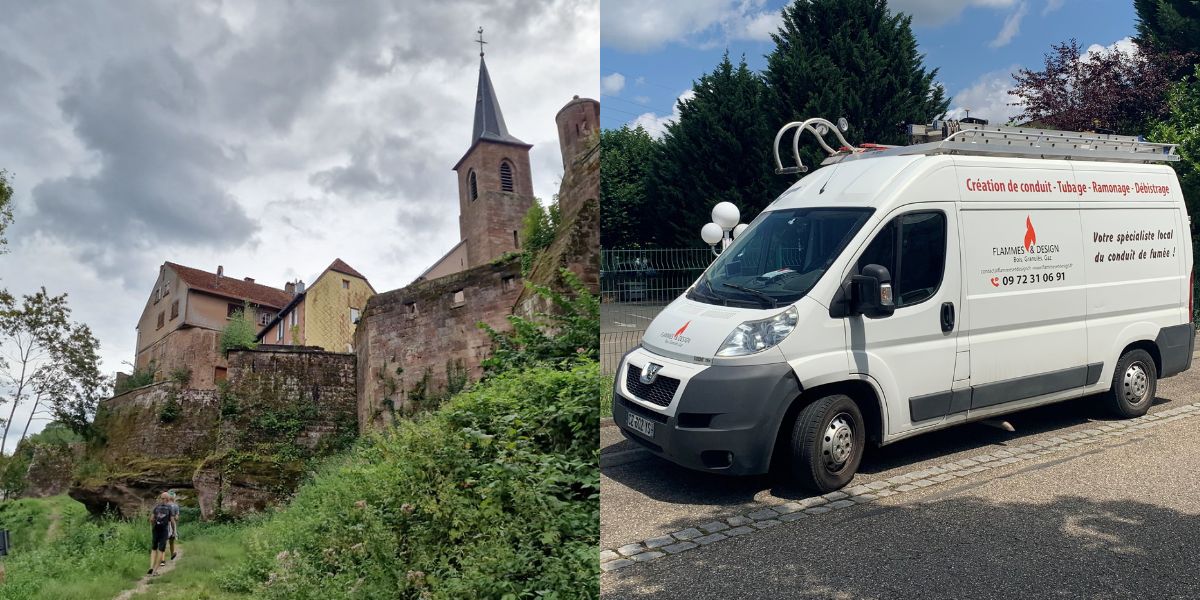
{"type": "Point", "coordinates": [1114, 519]}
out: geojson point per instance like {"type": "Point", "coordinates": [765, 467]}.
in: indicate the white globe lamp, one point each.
{"type": "Point", "coordinates": [711, 234]}
{"type": "Point", "coordinates": [726, 215]}
{"type": "Point", "coordinates": [739, 229]}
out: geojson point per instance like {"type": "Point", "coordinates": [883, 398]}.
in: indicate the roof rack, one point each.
{"type": "Point", "coordinates": [956, 137]}
{"type": "Point", "coordinates": [992, 140]}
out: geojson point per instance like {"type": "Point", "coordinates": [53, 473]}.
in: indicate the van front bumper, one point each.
{"type": "Point", "coordinates": [722, 419]}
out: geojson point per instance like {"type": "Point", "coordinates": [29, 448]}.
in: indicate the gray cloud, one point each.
{"type": "Point", "coordinates": [156, 180]}
{"type": "Point", "coordinates": [269, 137]}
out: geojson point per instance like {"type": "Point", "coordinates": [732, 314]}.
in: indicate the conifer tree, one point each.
{"type": "Point", "coordinates": [624, 160]}
{"type": "Point", "coordinates": [853, 59]}
{"type": "Point", "coordinates": [718, 150]}
{"type": "Point", "coordinates": [1168, 26]}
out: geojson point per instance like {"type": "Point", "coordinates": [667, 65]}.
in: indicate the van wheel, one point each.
{"type": "Point", "coordinates": [827, 443]}
{"type": "Point", "coordinates": [1134, 384]}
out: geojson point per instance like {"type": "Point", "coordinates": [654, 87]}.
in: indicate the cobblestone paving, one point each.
{"type": "Point", "coordinates": [777, 514]}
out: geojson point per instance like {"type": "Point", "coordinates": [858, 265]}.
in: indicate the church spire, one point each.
{"type": "Point", "coordinates": [489, 121]}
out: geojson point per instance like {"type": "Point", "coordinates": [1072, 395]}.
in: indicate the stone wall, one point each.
{"type": "Point", "coordinates": [417, 343]}
{"type": "Point", "coordinates": [193, 348]}
{"type": "Point", "coordinates": [230, 450]}
{"type": "Point", "coordinates": [283, 406]}
{"type": "Point", "coordinates": [138, 454]}
{"type": "Point", "coordinates": [576, 244]}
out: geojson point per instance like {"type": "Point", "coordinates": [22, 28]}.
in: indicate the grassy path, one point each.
{"type": "Point", "coordinates": [143, 584]}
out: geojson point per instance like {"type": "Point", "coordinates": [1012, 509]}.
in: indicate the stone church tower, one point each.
{"type": "Point", "coordinates": [495, 188]}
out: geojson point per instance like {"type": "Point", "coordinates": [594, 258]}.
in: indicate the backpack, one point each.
{"type": "Point", "coordinates": [162, 515]}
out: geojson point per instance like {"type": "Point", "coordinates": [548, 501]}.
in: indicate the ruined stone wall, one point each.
{"type": "Point", "coordinates": [283, 407]}
{"type": "Point", "coordinates": [50, 469]}
{"type": "Point", "coordinates": [193, 348]}
{"type": "Point", "coordinates": [416, 344]}
{"type": "Point", "coordinates": [576, 244]}
{"type": "Point", "coordinates": [140, 453]}
{"type": "Point", "coordinates": [229, 450]}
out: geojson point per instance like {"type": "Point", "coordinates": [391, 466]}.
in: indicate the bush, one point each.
{"type": "Point", "coordinates": [570, 331]}
{"type": "Point", "coordinates": [239, 333]}
{"type": "Point", "coordinates": [139, 378]}
{"type": "Point", "coordinates": [495, 495]}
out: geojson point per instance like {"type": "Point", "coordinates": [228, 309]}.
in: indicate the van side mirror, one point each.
{"type": "Point", "coordinates": [871, 292]}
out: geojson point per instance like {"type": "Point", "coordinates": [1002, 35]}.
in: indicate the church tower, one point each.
{"type": "Point", "coordinates": [495, 187]}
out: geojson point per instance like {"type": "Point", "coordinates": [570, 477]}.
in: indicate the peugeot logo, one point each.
{"type": "Point", "coordinates": [650, 373]}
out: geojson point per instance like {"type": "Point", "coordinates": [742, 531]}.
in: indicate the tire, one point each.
{"type": "Point", "coordinates": [1134, 384]}
{"type": "Point", "coordinates": [827, 443]}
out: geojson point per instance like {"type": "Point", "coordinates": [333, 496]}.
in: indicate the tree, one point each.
{"type": "Point", "coordinates": [74, 386]}
{"type": "Point", "coordinates": [1182, 126]}
{"type": "Point", "coordinates": [1166, 26]}
{"type": "Point", "coordinates": [719, 150]}
{"type": "Point", "coordinates": [853, 59]}
{"type": "Point", "coordinates": [1108, 90]}
{"type": "Point", "coordinates": [624, 163]}
{"type": "Point", "coordinates": [31, 333]}
{"type": "Point", "coordinates": [6, 214]}
{"type": "Point", "coordinates": [239, 333]}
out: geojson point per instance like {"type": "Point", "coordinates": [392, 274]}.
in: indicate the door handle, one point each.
{"type": "Point", "coordinates": [947, 316]}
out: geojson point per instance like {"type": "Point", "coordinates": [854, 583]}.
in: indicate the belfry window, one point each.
{"type": "Point", "coordinates": [473, 185]}
{"type": "Point", "coordinates": [506, 176]}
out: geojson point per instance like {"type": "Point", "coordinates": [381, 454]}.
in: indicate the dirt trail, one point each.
{"type": "Point", "coordinates": [55, 525]}
{"type": "Point", "coordinates": [143, 584]}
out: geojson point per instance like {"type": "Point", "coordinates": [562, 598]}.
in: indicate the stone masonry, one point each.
{"type": "Point", "coordinates": [412, 342]}
{"type": "Point", "coordinates": [229, 451]}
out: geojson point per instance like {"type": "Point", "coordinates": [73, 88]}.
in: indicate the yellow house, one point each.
{"type": "Point", "coordinates": [323, 314]}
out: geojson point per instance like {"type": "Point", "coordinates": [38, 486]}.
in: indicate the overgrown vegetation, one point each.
{"type": "Point", "coordinates": [138, 378]}
{"type": "Point", "coordinates": [239, 332]}
{"type": "Point", "coordinates": [496, 493]}
{"type": "Point", "coordinates": [55, 438]}
{"type": "Point", "coordinates": [567, 333]}
{"type": "Point", "coordinates": [537, 232]}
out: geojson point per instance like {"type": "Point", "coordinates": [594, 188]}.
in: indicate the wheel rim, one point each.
{"type": "Point", "coordinates": [838, 442]}
{"type": "Point", "coordinates": [1135, 385]}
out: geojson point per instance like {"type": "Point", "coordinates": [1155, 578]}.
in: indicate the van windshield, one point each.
{"type": "Point", "coordinates": [780, 257]}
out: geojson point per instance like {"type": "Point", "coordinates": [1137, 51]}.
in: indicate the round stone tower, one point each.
{"type": "Point", "coordinates": [577, 121]}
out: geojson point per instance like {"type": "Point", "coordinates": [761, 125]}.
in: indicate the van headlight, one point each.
{"type": "Point", "coordinates": [756, 336]}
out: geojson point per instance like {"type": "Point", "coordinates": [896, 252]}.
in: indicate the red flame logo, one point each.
{"type": "Point", "coordinates": [1030, 235]}
{"type": "Point", "coordinates": [682, 329]}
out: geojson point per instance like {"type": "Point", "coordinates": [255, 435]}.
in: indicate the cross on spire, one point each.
{"type": "Point", "coordinates": [480, 41]}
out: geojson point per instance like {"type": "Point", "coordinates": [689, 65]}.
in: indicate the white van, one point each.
{"type": "Point", "coordinates": [900, 291]}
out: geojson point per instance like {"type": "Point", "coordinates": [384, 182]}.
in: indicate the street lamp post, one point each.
{"type": "Point", "coordinates": [724, 227]}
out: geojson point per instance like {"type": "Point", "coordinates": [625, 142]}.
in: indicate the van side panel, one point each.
{"type": "Point", "coordinates": [1025, 295]}
{"type": "Point", "coordinates": [1134, 270]}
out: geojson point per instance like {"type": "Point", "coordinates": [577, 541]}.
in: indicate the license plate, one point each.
{"type": "Point", "coordinates": [640, 424]}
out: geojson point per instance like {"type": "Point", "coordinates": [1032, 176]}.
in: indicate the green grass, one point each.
{"type": "Point", "coordinates": [29, 520]}
{"type": "Point", "coordinates": [99, 558]}
{"type": "Point", "coordinates": [208, 551]}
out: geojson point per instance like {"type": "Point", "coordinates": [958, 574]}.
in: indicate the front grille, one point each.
{"type": "Point", "coordinates": [660, 393]}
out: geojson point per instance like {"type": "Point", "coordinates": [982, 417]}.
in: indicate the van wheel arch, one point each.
{"type": "Point", "coordinates": [1150, 347]}
{"type": "Point", "coordinates": [861, 391]}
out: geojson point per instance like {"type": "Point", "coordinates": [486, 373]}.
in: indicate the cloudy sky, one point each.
{"type": "Point", "coordinates": [268, 137]}
{"type": "Point", "coordinates": [651, 53]}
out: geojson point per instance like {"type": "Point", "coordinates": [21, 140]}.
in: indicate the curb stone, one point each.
{"type": "Point", "coordinates": [767, 516]}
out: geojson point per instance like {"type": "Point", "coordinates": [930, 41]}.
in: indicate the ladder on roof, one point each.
{"type": "Point", "coordinates": [992, 140]}
{"type": "Point", "coordinates": [954, 137]}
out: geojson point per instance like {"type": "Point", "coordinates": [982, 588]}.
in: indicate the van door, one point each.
{"type": "Point", "coordinates": [1026, 303]}
{"type": "Point", "coordinates": [911, 353]}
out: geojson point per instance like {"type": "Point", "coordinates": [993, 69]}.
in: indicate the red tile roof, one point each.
{"type": "Point", "coordinates": [341, 267]}
{"type": "Point", "coordinates": [231, 287]}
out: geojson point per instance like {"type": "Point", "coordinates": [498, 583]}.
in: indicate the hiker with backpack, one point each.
{"type": "Point", "coordinates": [161, 518]}
{"type": "Point", "coordinates": [174, 504]}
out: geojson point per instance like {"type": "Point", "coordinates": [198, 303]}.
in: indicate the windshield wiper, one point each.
{"type": "Point", "coordinates": [771, 303]}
